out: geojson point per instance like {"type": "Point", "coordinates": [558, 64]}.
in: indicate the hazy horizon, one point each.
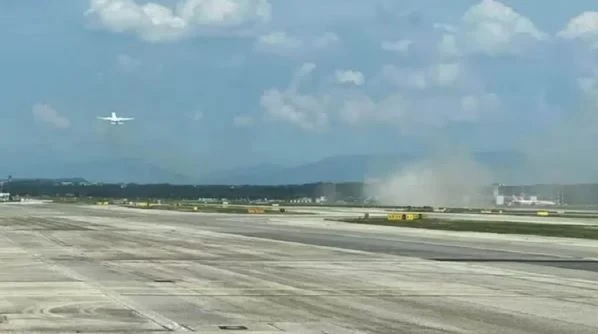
{"type": "Point", "coordinates": [287, 83]}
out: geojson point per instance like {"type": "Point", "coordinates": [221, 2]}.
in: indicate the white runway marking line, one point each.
{"type": "Point", "coordinates": [125, 302]}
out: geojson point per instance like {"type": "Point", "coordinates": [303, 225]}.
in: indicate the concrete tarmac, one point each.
{"type": "Point", "coordinates": [339, 212]}
{"type": "Point", "coordinates": [94, 269]}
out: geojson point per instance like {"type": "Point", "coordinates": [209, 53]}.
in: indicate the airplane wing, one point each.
{"type": "Point", "coordinates": [127, 118]}
{"type": "Point", "coordinates": [105, 118]}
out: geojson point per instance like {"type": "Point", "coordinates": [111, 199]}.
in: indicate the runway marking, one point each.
{"type": "Point", "coordinates": [156, 318]}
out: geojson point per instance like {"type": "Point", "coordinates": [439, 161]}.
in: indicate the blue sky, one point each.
{"type": "Point", "coordinates": [231, 83]}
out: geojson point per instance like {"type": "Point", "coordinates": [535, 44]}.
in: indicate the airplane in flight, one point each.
{"type": "Point", "coordinates": [113, 119]}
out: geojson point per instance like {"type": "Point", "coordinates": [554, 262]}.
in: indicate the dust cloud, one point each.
{"type": "Point", "coordinates": [563, 153]}
{"type": "Point", "coordinates": [449, 178]}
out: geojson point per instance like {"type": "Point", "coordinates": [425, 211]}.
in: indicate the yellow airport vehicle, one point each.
{"type": "Point", "coordinates": [396, 216]}
{"type": "Point", "coordinates": [543, 213]}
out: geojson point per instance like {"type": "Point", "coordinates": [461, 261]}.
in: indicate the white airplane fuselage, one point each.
{"type": "Point", "coordinates": [531, 202]}
{"type": "Point", "coordinates": [113, 119]}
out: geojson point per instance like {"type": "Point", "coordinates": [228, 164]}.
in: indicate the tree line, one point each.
{"type": "Point", "coordinates": [332, 191]}
{"type": "Point", "coordinates": [352, 192]}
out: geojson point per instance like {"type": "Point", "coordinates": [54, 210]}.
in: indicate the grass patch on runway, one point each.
{"type": "Point", "coordinates": [549, 230]}
{"type": "Point", "coordinates": [219, 209]}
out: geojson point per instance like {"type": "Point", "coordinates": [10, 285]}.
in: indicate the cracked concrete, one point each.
{"type": "Point", "coordinates": [80, 269]}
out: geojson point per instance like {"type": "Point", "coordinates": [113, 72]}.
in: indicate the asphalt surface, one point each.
{"type": "Point", "coordinates": [340, 212]}
{"type": "Point", "coordinates": [88, 269]}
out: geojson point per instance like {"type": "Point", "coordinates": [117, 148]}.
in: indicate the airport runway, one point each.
{"type": "Point", "coordinates": [79, 269]}
{"type": "Point", "coordinates": [339, 212]}
{"type": "Point", "coordinates": [514, 218]}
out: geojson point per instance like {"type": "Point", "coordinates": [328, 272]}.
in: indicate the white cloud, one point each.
{"type": "Point", "coordinates": [435, 95]}
{"type": "Point", "coordinates": [403, 77]}
{"type": "Point", "coordinates": [127, 63]}
{"type": "Point", "coordinates": [355, 108]}
{"type": "Point", "coordinates": [282, 43]}
{"type": "Point", "coordinates": [46, 114]}
{"type": "Point", "coordinates": [306, 111]}
{"type": "Point", "coordinates": [242, 121]}
{"type": "Point", "coordinates": [427, 98]}
{"type": "Point", "coordinates": [472, 106]}
{"type": "Point", "coordinates": [401, 46]}
{"type": "Point", "coordinates": [197, 116]}
{"type": "Point", "coordinates": [469, 103]}
{"type": "Point", "coordinates": [412, 114]}
{"type": "Point", "coordinates": [303, 72]}
{"type": "Point", "coordinates": [582, 27]}
{"type": "Point", "coordinates": [489, 28]}
{"type": "Point", "coordinates": [588, 85]}
{"type": "Point", "coordinates": [328, 39]}
{"type": "Point", "coordinates": [353, 77]}
{"type": "Point", "coordinates": [445, 74]}
{"type": "Point", "coordinates": [445, 27]}
{"type": "Point", "coordinates": [447, 47]}
{"type": "Point", "coordinates": [154, 22]}
{"type": "Point", "coordinates": [278, 42]}
{"type": "Point", "coordinates": [437, 75]}
{"type": "Point", "coordinates": [358, 109]}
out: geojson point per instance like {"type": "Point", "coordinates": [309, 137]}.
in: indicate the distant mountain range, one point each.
{"type": "Point", "coordinates": [504, 165]}
{"type": "Point", "coordinates": [345, 168]}
{"type": "Point", "coordinates": [333, 169]}
{"type": "Point", "coordinates": [109, 171]}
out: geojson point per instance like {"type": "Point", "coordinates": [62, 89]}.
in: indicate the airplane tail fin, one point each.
{"type": "Point", "coordinates": [113, 115]}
